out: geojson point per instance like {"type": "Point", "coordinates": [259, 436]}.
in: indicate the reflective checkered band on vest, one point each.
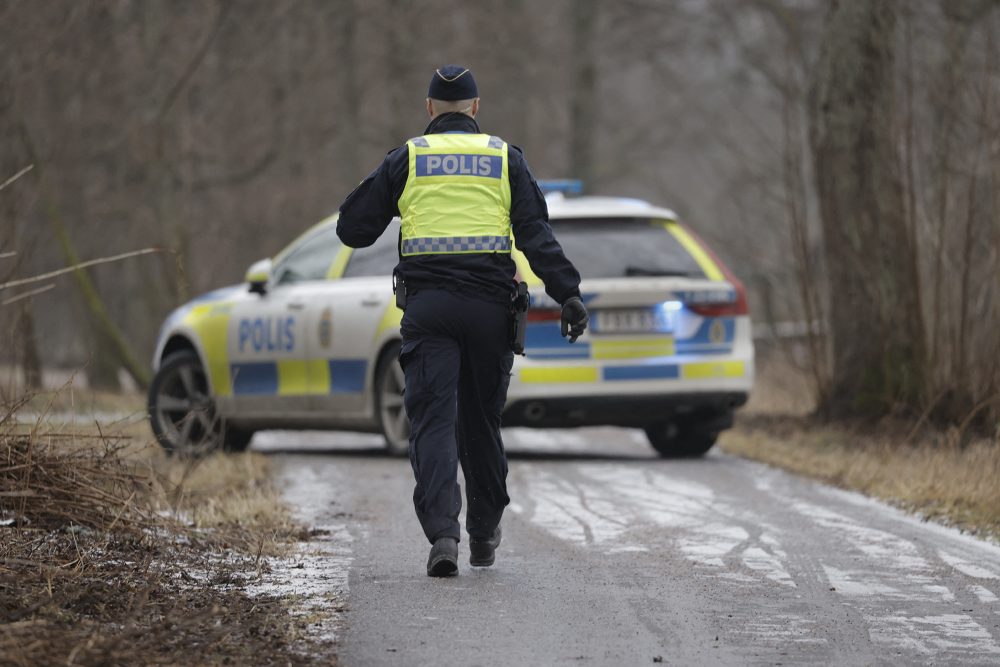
{"type": "Point", "coordinates": [456, 244]}
{"type": "Point", "coordinates": [420, 141]}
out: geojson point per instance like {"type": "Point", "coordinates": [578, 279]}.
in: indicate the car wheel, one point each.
{"type": "Point", "coordinates": [671, 441]}
{"type": "Point", "coordinates": [181, 408]}
{"type": "Point", "coordinates": [389, 407]}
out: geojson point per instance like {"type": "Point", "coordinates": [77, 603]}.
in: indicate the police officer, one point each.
{"type": "Point", "coordinates": [460, 193]}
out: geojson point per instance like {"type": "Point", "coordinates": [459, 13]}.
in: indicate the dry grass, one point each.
{"type": "Point", "coordinates": [930, 473]}
{"type": "Point", "coordinates": [225, 493]}
{"type": "Point", "coordinates": [782, 386]}
{"type": "Point", "coordinates": [112, 553]}
{"type": "Point", "coordinates": [955, 485]}
{"type": "Point", "coordinates": [228, 496]}
{"type": "Point", "coordinates": [69, 399]}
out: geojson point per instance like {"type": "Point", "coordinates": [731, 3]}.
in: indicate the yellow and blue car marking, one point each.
{"type": "Point", "coordinates": [650, 357]}
{"type": "Point", "coordinates": [654, 356]}
{"type": "Point", "coordinates": [299, 377]}
{"type": "Point", "coordinates": [209, 317]}
{"type": "Point", "coordinates": [676, 355]}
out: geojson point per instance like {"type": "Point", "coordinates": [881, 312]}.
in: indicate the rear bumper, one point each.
{"type": "Point", "coordinates": [628, 411]}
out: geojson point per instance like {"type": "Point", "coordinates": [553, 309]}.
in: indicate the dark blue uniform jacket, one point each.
{"type": "Point", "coordinates": [367, 211]}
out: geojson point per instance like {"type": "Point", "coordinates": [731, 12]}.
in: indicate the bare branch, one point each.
{"type": "Point", "coordinates": [195, 61]}
{"type": "Point", "coordinates": [16, 176]}
{"type": "Point", "coordinates": [28, 294]}
{"type": "Point", "coordinates": [78, 266]}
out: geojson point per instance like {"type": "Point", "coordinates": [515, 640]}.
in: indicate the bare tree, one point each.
{"type": "Point", "coordinates": [876, 320]}
{"type": "Point", "coordinates": [220, 129]}
{"type": "Point", "coordinates": [583, 95]}
{"type": "Point", "coordinates": [15, 249]}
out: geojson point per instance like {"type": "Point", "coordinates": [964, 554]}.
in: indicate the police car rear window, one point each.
{"type": "Point", "coordinates": [623, 247]}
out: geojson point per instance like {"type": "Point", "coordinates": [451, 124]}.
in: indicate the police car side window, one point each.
{"type": "Point", "coordinates": [377, 259]}
{"type": "Point", "coordinates": [311, 260]}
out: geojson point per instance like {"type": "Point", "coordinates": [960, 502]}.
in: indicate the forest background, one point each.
{"type": "Point", "coordinates": [843, 158]}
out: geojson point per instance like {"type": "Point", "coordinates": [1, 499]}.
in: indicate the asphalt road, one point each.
{"type": "Point", "coordinates": [612, 556]}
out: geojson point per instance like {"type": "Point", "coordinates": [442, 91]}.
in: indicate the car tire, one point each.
{"type": "Point", "coordinates": [674, 442]}
{"type": "Point", "coordinates": [389, 408]}
{"type": "Point", "coordinates": [182, 411]}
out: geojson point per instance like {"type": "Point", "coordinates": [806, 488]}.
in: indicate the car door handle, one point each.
{"type": "Point", "coordinates": [371, 303]}
{"type": "Point", "coordinates": [296, 305]}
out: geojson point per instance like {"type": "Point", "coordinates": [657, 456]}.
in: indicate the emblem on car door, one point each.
{"type": "Point", "coordinates": [717, 332]}
{"type": "Point", "coordinates": [326, 327]}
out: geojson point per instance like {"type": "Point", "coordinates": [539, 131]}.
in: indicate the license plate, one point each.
{"type": "Point", "coordinates": [633, 320]}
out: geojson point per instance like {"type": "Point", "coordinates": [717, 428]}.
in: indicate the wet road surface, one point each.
{"type": "Point", "coordinates": [612, 556]}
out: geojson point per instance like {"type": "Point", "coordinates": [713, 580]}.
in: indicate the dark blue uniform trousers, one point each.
{"type": "Point", "coordinates": [457, 359]}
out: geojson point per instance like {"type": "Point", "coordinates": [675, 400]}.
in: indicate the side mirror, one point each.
{"type": "Point", "coordinates": [258, 275]}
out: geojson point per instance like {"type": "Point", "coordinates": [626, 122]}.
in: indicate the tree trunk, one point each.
{"type": "Point", "coordinates": [876, 323]}
{"type": "Point", "coordinates": [102, 366]}
{"type": "Point", "coordinates": [583, 96]}
{"type": "Point", "coordinates": [27, 347]}
{"type": "Point", "coordinates": [117, 344]}
{"type": "Point", "coordinates": [401, 42]}
{"type": "Point", "coordinates": [350, 97]}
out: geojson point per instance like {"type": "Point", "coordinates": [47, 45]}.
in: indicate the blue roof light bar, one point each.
{"type": "Point", "coordinates": [567, 186]}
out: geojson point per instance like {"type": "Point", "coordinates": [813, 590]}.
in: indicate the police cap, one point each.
{"type": "Point", "coordinates": [451, 83]}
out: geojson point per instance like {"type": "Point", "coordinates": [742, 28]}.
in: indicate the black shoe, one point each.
{"type": "Point", "coordinates": [484, 551]}
{"type": "Point", "coordinates": [443, 561]}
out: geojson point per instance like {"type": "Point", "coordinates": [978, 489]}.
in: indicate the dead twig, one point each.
{"type": "Point", "coordinates": [78, 266]}
{"type": "Point", "coordinates": [69, 486]}
{"type": "Point", "coordinates": [16, 176]}
{"type": "Point", "coordinates": [28, 294]}
{"type": "Point", "coordinates": [986, 402]}
{"type": "Point", "coordinates": [925, 415]}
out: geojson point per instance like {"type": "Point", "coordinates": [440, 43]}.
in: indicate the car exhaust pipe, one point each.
{"type": "Point", "coordinates": [534, 411]}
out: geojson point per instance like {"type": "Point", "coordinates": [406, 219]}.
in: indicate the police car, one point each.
{"type": "Point", "coordinates": [310, 340]}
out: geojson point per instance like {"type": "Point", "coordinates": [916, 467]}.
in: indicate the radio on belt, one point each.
{"type": "Point", "coordinates": [519, 309]}
{"type": "Point", "coordinates": [399, 289]}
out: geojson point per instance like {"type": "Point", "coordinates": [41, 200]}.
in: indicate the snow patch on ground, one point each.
{"type": "Point", "coordinates": [967, 568]}
{"type": "Point", "coordinates": [985, 595]}
{"type": "Point", "coordinates": [954, 635]}
{"type": "Point", "coordinates": [316, 575]}
{"type": "Point", "coordinates": [890, 569]}
{"type": "Point", "coordinates": [542, 441]}
{"type": "Point", "coordinates": [782, 629]}
{"type": "Point", "coordinates": [315, 578]}
{"type": "Point", "coordinates": [989, 549]}
{"type": "Point", "coordinates": [609, 507]}
{"type": "Point", "coordinates": [894, 552]}
{"type": "Point", "coordinates": [857, 583]}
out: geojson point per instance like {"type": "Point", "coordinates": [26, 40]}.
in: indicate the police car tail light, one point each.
{"type": "Point", "coordinates": [544, 315]}
{"type": "Point", "coordinates": [738, 306]}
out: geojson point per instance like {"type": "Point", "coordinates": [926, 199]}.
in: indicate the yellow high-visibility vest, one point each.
{"type": "Point", "coordinates": [457, 195]}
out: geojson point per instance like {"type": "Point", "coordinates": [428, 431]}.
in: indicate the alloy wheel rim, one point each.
{"type": "Point", "coordinates": [185, 410]}
{"type": "Point", "coordinates": [393, 412]}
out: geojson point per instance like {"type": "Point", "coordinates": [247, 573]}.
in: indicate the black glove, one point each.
{"type": "Point", "coordinates": [574, 318]}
